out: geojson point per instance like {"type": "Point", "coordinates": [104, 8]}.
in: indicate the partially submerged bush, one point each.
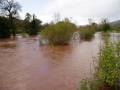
{"type": "Point", "coordinates": [59, 34]}
{"type": "Point", "coordinates": [87, 32]}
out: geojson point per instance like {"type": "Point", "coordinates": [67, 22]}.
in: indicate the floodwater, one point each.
{"type": "Point", "coordinates": [25, 65]}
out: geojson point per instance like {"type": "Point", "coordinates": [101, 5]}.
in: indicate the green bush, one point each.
{"type": "Point", "coordinates": [87, 33]}
{"type": "Point", "coordinates": [32, 25]}
{"type": "Point", "coordinates": [108, 71]}
{"type": "Point", "coordinates": [59, 33]}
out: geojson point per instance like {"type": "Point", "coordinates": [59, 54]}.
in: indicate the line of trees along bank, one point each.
{"type": "Point", "coordinates": [10, 24]}
{"type": "Point", "coordinates": [9, 10]}
{"type": "Point", "coordinates": [32, 24]}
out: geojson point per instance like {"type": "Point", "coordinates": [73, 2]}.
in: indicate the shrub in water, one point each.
{"type": "Point", "coordinates": [87, 32]}
{"type": "Point", "coordinates": [59, 33]}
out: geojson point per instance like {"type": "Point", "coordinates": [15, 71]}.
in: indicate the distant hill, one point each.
{"type": "Point", "coordinates": [115, 23]}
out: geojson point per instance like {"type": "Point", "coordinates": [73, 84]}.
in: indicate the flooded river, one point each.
{"type": "Point", "coordinates": [25, 65]}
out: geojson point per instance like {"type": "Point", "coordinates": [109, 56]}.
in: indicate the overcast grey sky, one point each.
{"type": "Point", "coordinates": [77, 10]}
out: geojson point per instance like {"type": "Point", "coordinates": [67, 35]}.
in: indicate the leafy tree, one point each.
{"type": "Point", "coordinates": [19, 25]}
{"type": "Point", "coordinates": [4, 28]}
{"type": "Point", "coordinates": [105, 26]}
{"type": "Point", "coordinates": [34, 26]}
{"type": "Point", "coordinates": [10, 9]}
{"type": "Point", "coordinates": [31, 24]}
{"type": "Point", "coordinates": [28, 17]}
{"type": "Point", "coordinates": [27, 22]}
{"type": "Point", "coordinates": [87, 32]}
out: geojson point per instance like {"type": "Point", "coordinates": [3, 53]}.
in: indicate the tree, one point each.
{"type": "Point", "coordinates": [34, 26]}
{"type": "Point", "coordinates": [27, 22]}
{"type": "Point", "coordinates": [105, 26]}
{"type": "Point", "coordinates": [10, 9]}
{"type": "Point", "coordinates": [28, 17]}
{"type": "Point", "coordinates": [4, 28]}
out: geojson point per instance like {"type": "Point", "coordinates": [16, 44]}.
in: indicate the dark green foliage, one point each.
{"type": "Point", "coordinates": [18, 25]}
{"type": "Point", "coordinates": [104, 26]}
{"type": "Point", "coordinates": [4, 28]}
{"type": "Point", "coordinates": [59, 33]}
{"type": "Point", "coordinates": [10, 9]}
{"type": "Point", "coordinates": [32, 25]}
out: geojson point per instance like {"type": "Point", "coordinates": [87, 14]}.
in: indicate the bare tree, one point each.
{"type": "Point", "coordinates": [10, 9]}
{"type": "Point", "coordinates": [57, 17]}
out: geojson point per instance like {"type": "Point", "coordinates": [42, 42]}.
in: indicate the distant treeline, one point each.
{"type": "Point", "coordinates": [11, 24]}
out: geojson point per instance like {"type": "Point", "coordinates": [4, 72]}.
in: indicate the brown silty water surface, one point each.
{"type": "Point", "coordinates": [25, 65]}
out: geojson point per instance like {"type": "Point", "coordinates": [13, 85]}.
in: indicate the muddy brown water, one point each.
{"type": "Point", "coordinates": [25, 65]}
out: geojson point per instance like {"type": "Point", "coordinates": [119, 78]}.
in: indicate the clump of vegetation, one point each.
{"type": "Point", "coordinates": [59, 33]}
{"type": "Point", "coordinates": [87, 32]}
{"type": "Point", "coordinates": [108, 71]}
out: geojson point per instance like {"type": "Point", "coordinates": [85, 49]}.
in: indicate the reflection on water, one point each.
{"type": "Point", "coordinates": [115, 37]}
{"type": "Point", "coordinates": [29, 66]}
{"type": "Point", "coordinates": [7, 43]}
